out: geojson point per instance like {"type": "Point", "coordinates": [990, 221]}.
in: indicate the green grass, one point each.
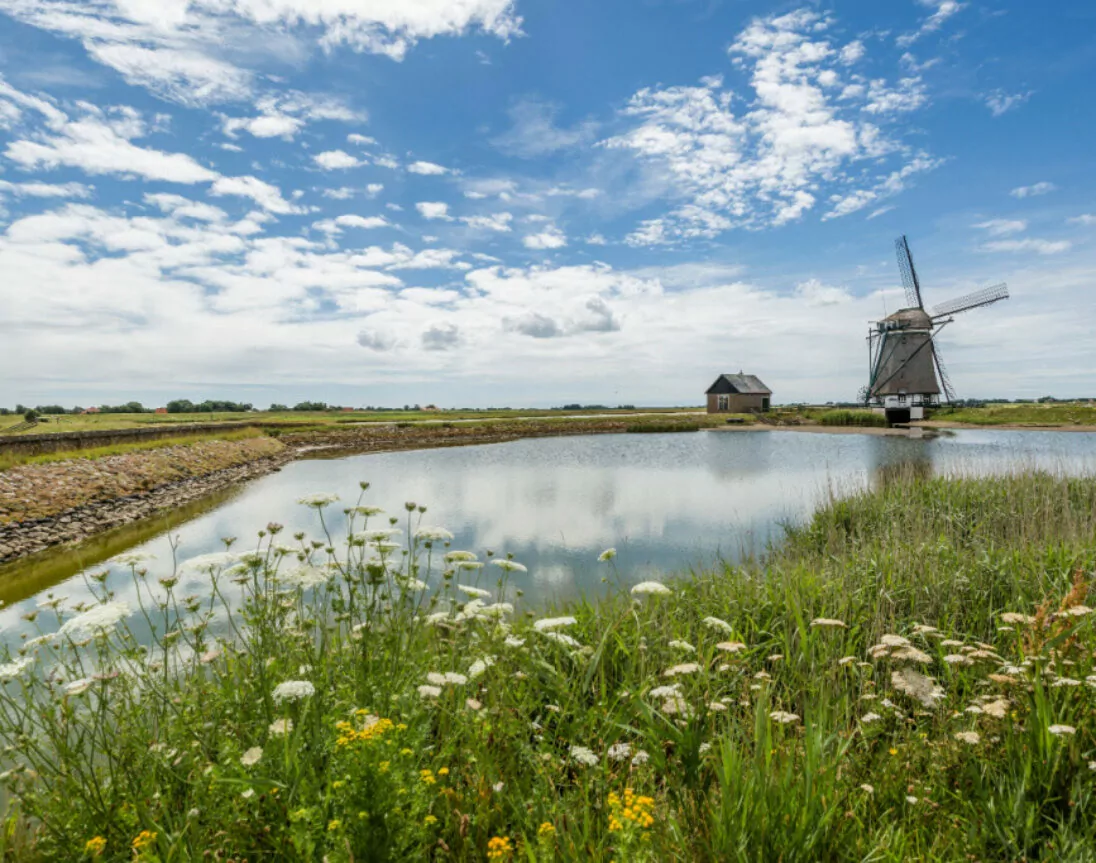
{"type": "Point", "coordinates": [1053, 414]}
{"type": "Point", "coordinates": [181, 752]}
{"type": "Point", "coordinates": [10, 460]}
{"type": "Point", "coordinates": [851, 418]}
{"type": "Point", "coordinates": [91, 422]}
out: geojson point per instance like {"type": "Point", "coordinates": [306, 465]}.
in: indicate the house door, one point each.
{"type": "Point", "coordinates": [723, 403]}
{"type": "Point", "coordinates": [764, 404]}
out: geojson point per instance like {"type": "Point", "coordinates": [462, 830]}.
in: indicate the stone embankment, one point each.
{"type": "Point", "coordinates": [67, 501]}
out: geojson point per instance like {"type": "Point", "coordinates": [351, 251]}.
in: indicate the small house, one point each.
{"type": "Point", "coordinates": [738, 394]}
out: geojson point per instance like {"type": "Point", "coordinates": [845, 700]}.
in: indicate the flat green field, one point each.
{"type": "Point", "coordinates": [90, 422]}
{"type": "Point", "coordinates": [1029, 413]}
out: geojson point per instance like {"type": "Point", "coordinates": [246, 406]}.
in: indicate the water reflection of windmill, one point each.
{"type": "Point", "coordinates": [907, 373]}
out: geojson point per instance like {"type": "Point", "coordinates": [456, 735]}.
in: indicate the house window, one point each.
{"type": "Point", "coordinates": [724, 403]}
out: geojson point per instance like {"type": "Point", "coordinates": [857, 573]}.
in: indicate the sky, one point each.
{"type": "Point", "coordinates": [536, 202]}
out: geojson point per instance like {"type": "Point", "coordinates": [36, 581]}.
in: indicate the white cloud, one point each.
{"type": "Point", "coordinates": [45, 190]}
{"type": "Point", "coordinates": [101, 142]}
{"type": "Point", "coordinates": [283, 115]}
{"type": "Point", "coordinates": [336, 160]}
{"type": "Point", "coordinates": [264, 194]}
{"type": "Point", "coordinates": [1083, 219]}
{"type": "Point", "coordinates": [550, 238]}
{"type": "Point", "coordinates": [1029, 244]}
{"type": "Point", "coordinates": [999, 102]}
{"type": "Point", "coordinates": [535, 133]}
{"type": "Point", "coordinates": [434, 210]}
{"type": "Point", "coordinates": [494, 222]}
{"type": "Point", "coordinates": [814, 293]}
{"type": "Point", "coordinates": [881, 211]}
{"type": "Point", "coordinates": [345, 193]}
{"type": "Point", "coordinates": [427, 168]}
{"type": "Point", "coordinates": [765, 165]}
{"type": "Point", "coordinates": [596, 239]}
{"type": "Point", "coordinates": [1032, 191]}
{"type": "Point", "coordinates": [942, 11]}
{"type": "Point", "coordinates": [351, 220]}
{"type": "Point", "coordinates": [194, 51]}
{"type": "Point", "coordinates": [852, 52]}
{"type": "Point", "coordinates": [1003, 227]}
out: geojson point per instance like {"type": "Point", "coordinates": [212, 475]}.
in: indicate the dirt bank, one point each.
{"type": "Point", "coordinates": [46, 504]}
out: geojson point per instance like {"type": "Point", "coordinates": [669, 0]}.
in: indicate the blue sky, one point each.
{"type": "Point", "coordinates": [485, 202]}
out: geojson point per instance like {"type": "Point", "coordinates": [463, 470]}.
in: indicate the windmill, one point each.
{"type": "Point", "coordinates": [907, 373]}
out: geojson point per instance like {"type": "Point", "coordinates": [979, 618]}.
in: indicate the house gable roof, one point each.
{"type": "Point", "coordinates": [740, 384]}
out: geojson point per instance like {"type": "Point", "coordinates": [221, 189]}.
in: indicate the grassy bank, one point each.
{"type": "Point", "coordinates": [909, 676]}
{"type": "Point", "coordinates": [43, 486]}
{"type": "Point", "coordinates": [1053, 414]}
{"type": "Point", "coordinates": [9, 460]}
{"type": "Point", "coordinates": [851, 418]}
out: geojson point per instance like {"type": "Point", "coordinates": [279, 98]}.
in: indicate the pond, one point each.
{"type": "Point", "coordinates": [666, 502]}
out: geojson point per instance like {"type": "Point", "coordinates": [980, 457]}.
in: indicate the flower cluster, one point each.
{"type": "Point", "coordinates": [631, 812]}
{"type": "Point", "coordinates": [373, 728]}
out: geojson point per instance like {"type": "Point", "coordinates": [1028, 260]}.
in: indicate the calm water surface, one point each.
{"type": "Point", "coordinates": [666, 502]}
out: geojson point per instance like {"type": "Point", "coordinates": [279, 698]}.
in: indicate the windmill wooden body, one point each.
{"type": "Point", "coordinates": [907, 374]}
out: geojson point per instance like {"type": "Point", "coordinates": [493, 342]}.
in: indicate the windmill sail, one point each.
{"type": "Point", "coordinates": [977, 299]}
{"type": "Point", "coordinates": [909, 274]}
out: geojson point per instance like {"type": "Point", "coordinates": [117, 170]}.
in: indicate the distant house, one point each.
{"type": "Point", "coordinates": [161, 410]}
{"type": "Point", "coordinates": [738, 394]}
{"type": "Point", "coordinates": [92, 411]}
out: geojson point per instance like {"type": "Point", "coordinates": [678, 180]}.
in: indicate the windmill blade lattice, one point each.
{"type": "Point", "coordinates": [983, 297]}
{"type": "Point", "coordinates": [909, 273]}
{"type": "Point", "coordinates": [945, 378]}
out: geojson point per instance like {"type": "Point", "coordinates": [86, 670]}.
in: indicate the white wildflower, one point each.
{"type": "Point", "coordinates": [971, 737]}
{"type": "Point", "coordinates": [96, 620]}
{"type": "Point", "coordinates": [869, 788]}
{"type": "Point", "coordinates": [827, 623]}
{"type": "Point", "coordinates": [514, 641]}
{"type": "Point", "coordinates": [281, 727]}
{"type": "Point", "coordinates": [894, 641]}
{"type": "Point", "coordinates": [846, 660]}
{"type": "Point", "coordinates": [414, 585]}
{"type": "Point", "coordinates": [562, 638]}
{"type": "Point", "coordinates": [252, 756]}
{"type": "Point", "coordinates": [870, 717]}
{"type": "Point", "coordinates": [911, 800]}
{"type": "Point", "coordinates": [1015, 617]}
{"type": "Point", "coordinates": [463, 556]}
{"type": "Point", "coordinates": [607, 555]}
{"type": "Point", "coordinates": [436, 618]}
{"type": "Point", "coordinates": [718, 625]}
{"type": "Point", "coordinates": [730, 646]}
{"type": "Point", "coordinates": [318, 501]}
{"type": "Point", "coordinates": [78, 687]}
{"type": "Point", "coordinates": [131, 558]}
{"type": "Point", "coordinates": [378, 535]}
{"type": "Point", "coordinates": [584, 755]}
{"type": "Point", "coordinates": [651, 588]}
{"type": "Point", "coordinates": [1065, 681]}
{"type": "Point", "coordinates": [469, 564]}
{"type": "Point", "coordinates": [384, 547]}
{"type": "Point", "coordinates": [782, 717]}
{"type": "Point", "coordinates": [917, 686]}
{"type": "Point", "coordinates": [704, 748]}
{"type": "Point", "coordinates": [433, 534]}
{"type": "Point", "coordinates": [305, 577]}
{"type": "Point", "coordinates": [997, 709]}
{"type": "Point", "coordinates": [429, 691]}
{"type": "Point", "coordinates": [619, 752]}
{"type": "Point", "coordinates": [958, 659]}
{"type": "Point", "coordinates": [477, 592]}
{"type": "Point", "coordinates": [641, 758]}
{"type": "Point", "coordinates": [717, 707]}
{"type": "Point", "coordinates": [1077, 611]}
{"type": "Point", "coordinates": [683, 668]}
{"type": "Point", "coordinates": [1061, 730]}
{"type": "Point", "coordinates": [665, 691]}
{"type": "Point", "coordinates": [293, 690]}
{"type": "Point", "coordinates": [13, 669]}
{"type": "Point", "coordinates": [509, 565]}
{"type": "Point", "coordinates": [682, 645]}
{"type": "Point", "coordinates": [477, 668]}
{"type": "Point", "coordinates": [924, 629]}
{"type": "Point", "coordinates": [249, 793]}
{"type": "Point", "coordinates": [547, 624]}
{"type": "Point", "coordinates": [368, 511]}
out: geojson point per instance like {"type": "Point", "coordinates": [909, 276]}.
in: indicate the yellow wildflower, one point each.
{"type": "Point", "coordinates": [893, 751]}
{"type": "Point", "coordinates": [384, 765]}
{"type": "Point", "coordinates": [632, 812]}
{"type": "Point", "coordinates": [499, 848]}
{"type": "Point", "coordinates": [427, 776]}
{"type": "Point", "coordinates": [429, 820]}
{"type": "Point", "coordinates": [143, 840]}
{"type": "Point", "coordinates": [443, 772]}
{"type": "Point", "coordinates": [334, 824]}
{"type": "Point", "coordinates": [406, 752]}
{"type": "Point", "coordinates": [546, 829]}
{"type": "Point", "coordinates": [95, 846]}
